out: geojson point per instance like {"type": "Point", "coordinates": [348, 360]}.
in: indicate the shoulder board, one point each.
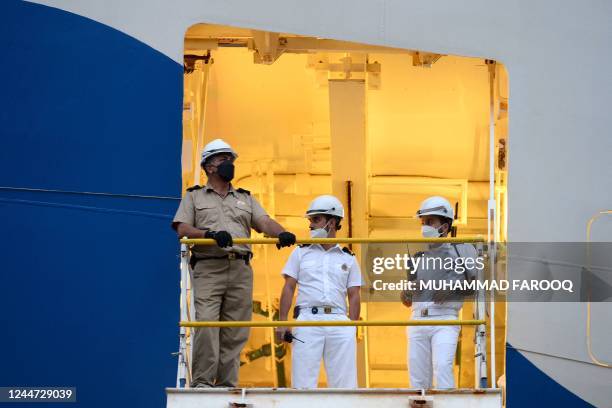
{"type": "Point", "coordinates": [348, 251]}
{"type": "Point", "coordinates": [303, 245]}
{"type": "Point", "coordinates": [242, 190]}
{"type": "Point", "coordinates": [196, 187]}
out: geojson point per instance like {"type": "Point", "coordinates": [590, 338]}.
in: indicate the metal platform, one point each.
{"type": "Point", "coordinates": [329, 397]}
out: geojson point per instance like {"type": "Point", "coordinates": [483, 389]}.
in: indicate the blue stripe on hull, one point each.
{"type": "Point", "coordinates": [86, 108]}
{"type": "Point", "coordinates": [528, 386]}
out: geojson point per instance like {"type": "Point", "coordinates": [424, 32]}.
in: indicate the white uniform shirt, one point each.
{"type": "Point", "coordinates": [422, 300]}
{"type": "Point", "coordinates": [323, 276]}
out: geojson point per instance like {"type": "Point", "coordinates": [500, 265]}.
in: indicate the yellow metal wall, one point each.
{"type": "Point", "coordinates": [426, 129]}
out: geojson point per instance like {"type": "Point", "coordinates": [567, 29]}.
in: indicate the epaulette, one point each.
{"type": "Point", "coordinates": [242, 190]}
{"type": "Point", "coordinates": [303, 245]}
{"type": "Point", "coordinates": [196, 187]}
{"type": "Point", "coordinates": [348, 251]}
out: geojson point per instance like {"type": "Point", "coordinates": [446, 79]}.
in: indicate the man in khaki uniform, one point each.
{"type": "Point", "coordinates": [222, 276]}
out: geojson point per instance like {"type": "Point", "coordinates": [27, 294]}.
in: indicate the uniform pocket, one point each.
{"type": "Point", "coordinates": [244, 212]}
{"type": "Point", "coordinates": [343, 267]}
{"type": "Point", "coordinates": [241, 205]}
{"type": "Point", "coordinates": [206, 215]}
{"type": "Point", "coordinates": [296, 330]}
{"type": "Point", "coordinates": [308, 264]}
{"type": "Point", "coordinates": [340, 273]}
{"type": "Point", "coordinates": [347, 330]}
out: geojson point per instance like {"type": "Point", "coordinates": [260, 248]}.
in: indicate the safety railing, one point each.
{"type": "Point", "coordinates": [479, 311]}
{"type": "Point", "coordinates": [252, 241]}
{"type": "Point", "coordinates": [295, 323]}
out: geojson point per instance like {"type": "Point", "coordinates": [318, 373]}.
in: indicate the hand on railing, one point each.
{"type": "Point", "coordinates": [222, 238]}
{"type": "Point", "coordinates": [406, 298]}
{"type": "Point", "coordinates": [285, 239]}
{"type": "Point", "coordinates": [280, 333]}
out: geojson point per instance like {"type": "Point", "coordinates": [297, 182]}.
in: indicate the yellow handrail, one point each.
{"type": "Point", "coordinates": [238, 241]}
{"type": "Point", "coordinates": [295, 323]}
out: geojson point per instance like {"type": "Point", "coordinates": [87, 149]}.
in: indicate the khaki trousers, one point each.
{"type": "Point", "coordinates": [223, 291]}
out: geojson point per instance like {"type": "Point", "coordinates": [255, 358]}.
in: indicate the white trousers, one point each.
{"type": "Point", "coordinates": [432, 348]}
{"type": "Point", "coordinates": [335, 345]}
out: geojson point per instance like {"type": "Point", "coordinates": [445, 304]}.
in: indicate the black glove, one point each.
{"type": "Point", "coordinates": [223, 238]}
{"type": "Point", "coordinates": [285, 239]}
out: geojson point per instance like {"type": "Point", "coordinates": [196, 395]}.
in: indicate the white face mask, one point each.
{"type": "Point", "coordinates": [430, 232]}
{"type": "Point", "coordinates": [319, 232]}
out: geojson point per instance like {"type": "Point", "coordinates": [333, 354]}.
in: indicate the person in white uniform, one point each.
{"type": "Point", "coordinates": [325, 275]}
{"type": "Point", "coordinates": [432, 348]}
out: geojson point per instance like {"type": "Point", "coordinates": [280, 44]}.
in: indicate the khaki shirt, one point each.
{"type": "Point", "coordinates": [204, 208]}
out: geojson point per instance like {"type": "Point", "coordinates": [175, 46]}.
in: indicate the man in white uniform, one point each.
{"type": "Point", "coordinates": [433, 347]}
{"type": "Point", "coordinates": [325, 275]}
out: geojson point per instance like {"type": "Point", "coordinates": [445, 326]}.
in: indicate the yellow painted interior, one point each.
{"type": "Point", "coordinates": [426, 133]}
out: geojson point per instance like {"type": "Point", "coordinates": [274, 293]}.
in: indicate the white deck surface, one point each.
{"type": "Point", "coordinates": [326, 397]}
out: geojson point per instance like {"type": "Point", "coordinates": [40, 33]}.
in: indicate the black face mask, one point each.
{"type": "Point", "coordinates": [226, 170]}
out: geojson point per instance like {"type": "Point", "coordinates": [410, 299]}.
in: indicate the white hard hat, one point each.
{"type": "Point", "coordinates": [436, 205]}
{"type": "Point", "coordinates": [326, 204]}
{"type": "Point", "coordinates": [215, 147]}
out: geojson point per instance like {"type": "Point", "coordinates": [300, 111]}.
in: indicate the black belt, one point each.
{"type": "Point", "coordinates": [315, 310]}
{"type": "Point", "coordinates": [229, 256]}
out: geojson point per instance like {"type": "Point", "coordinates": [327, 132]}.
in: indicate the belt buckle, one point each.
{"type": "Point", "coordinates": [327, 310]}
{"type": "Point", "coordinates": [314, 310]}
{"type": "Point", "coordinates": [424, 312]}
{"type": "Point", "coordinates": [231, 256]}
